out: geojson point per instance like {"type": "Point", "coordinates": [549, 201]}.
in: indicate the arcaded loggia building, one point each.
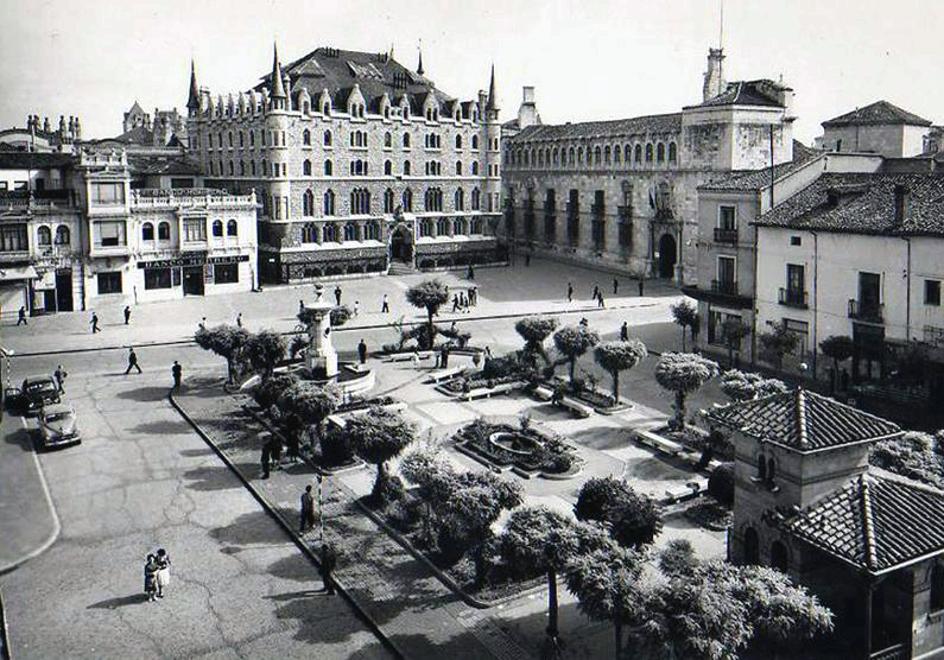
{"type": "Point", "coordinates": [622, 194]}
{"type": "Point", "coordinates": [359, 163]}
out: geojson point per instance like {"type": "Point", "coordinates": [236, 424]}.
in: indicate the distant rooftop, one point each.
{"type": "Point", "coordinates": [742, 180]}
{"type": "Point", "coordinates": [668, 123]}
{"type": "Point", "coordinates": [878, 113]}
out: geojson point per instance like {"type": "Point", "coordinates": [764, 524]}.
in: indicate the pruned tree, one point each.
{"type": "Point", "coordinates": [746, 385]}
{"type": "Point", "coordinates": [573, 341]}
{"type": "Point", "coordinates": [777, 343]}
{"type": "Point", "coordinates": [617, 356]}
{"type": "Point", "coordinates": [915, 455]}
{"type": "Point", "coordinates": [378, 436]}
{"type": "Point", "coordinates": [733, 332]}
{"type": "Point", "coordinates": [535, 330]}
{"type": "Point", "coordinates": [605, 582]}
{"type": "Point", "coordinates": [633, 519]}
{"type": "Point", "coordinates": [429, 295]}
{"type": "Point", "coordinates": [267, 394]}
{"type": "Point", "coordinates": [677, 558]}
{"type": "Point", "coordinates": [265, 349]}
{"type": "Point", "coordinates": [685, 315]}
{"type": "Point", "coordinates": [312, 404]}
{"type": "Point", "coordinates": [683, 374]}
{"type": "Point", "coordinates": [432, 472]}
{"type": "Point", "coordinates": [227, 341]}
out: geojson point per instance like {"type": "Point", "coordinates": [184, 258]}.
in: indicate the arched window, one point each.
{"type": "Point", "coordinates": [232, 228]}
{"type": "Point", "coordinates": [147, 232]}
{"type": "Point", "coordinates": [308, 203]}
{"type": "Point", "coordinates": [265, 167]}
{"type": "Point", "coordinates": [388, 201]}
{"type": "Point", "coordinates": [328, 168]}
{"type": "Point", "coordinates": [230, 168]}
{"type": "Point", "coordinates": [350, 232]}
{"type": "Point", "coordinates": [627, 154]}
{"type": "Point", "coordinates": [426, 227]}
{"type": "Point", "coordinates": [252, 138]}
{"type": "Point", "coordinates": [458, 168]}
{"type": "Point", "coordinates": [442, 227]}
{"type": "Point", "coordinates": [649, 153]}
{"type": "Point", "coordinates": [458, 227]}
{"type": "Point", "coordinates": [328, 203]}
{"type": "Point", "coordinates": [406, 140]}
{"type": "Point", "coordinates": [388, 168]}
{"type": "Point", "coordinates": [309, 232]}
{"type": "Point", "coordinates": [637, 155]}
{"type": "Point", "coordinates": [597, 156]}
{"type": "Point", "coordinates": [937, 588]}
{"type": "Point", "coordinates": [571, 156]}
{"type": "Point", "coordinates": [252, 168]}
{"type": "Point", "coordinates": [475, 168]}
{"type": "Point", "coordinates": [329, 233]}
{"type": "Point", "coordinates": [660, 153]}
{"type": "Point", "coordinates": [606, 155]}
{"type": "Point", "coordinates": [360, 201]}
{"type": "Point", "coordinates": [458, 141]}
{"type": "Point", "coordinates": [406, 168]}
{"type": "Point", "coordinates": [218, 228]}
{"type": "Point", "coordinates": [306, 137]}
{"type": "Point", "coordinates": [327, 138]}
{"type": "Point", "coordinates": [616, 155]}
{"type": "Point", "coordinates": [306, 168]}
{"type": "Point", "coordinates": [63, 235]}
{"type": "Point", "coordinates": [580, 155]}
{"type": "Point", "coordinates": [476, 199]}
{"type": "Point", "coordinates": [242, 139]}
{"type": "Point", "coordinates": [459, 200]}
{"type": "Point", "coordinates": [242, 168]}
{"type": "Point", "coordinates": [475, 226]}
{"type": "Point", "coordinates": [475, 141]}
{"type": "Point", "coordinates": [371, 231]}
{"type": "Point", "coordinates": [388, 140]}
{"type": "Point", "coordinates": [778, 556]}
{"type": "Point", "coordinates": [407, 200]}
{"type": "Point", "coordinates": [751, 547]}
{"type": "Point", "coordinates": [230, 135]}
{"type": "Point", "coordinates": [673, 152]}
{"type": "Point", "coordinates": [163, 231]}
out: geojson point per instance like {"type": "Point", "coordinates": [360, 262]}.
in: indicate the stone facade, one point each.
{"type": "Point", "coordinates": [336, 170]}
{"type": "Point", "coordinates": [622, 194]}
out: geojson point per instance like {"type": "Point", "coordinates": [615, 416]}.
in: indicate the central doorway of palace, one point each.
{"type": "Point", "coordinates": [401, 245]}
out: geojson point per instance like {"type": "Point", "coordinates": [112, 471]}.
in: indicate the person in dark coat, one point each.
{"type": "Point", "coordinates": [177, 372]}
{"type": "Point", "coordinates": [94, 323]}
{"type": "Point", "coordinates": [275, 452]}
{"type": "Point", "coordinates": [362, 351]}
{"type": "Point", "coordinates": [615, 286]}
{"type": "Point", "coordinates": [641, 286]}
{"type": "Point", "coordinates": [600, 302]}
{"type": "Point", "coordinates": [264, 460]}
{"type": "Point", "coordinates": [60, 375]}
{"type": "Point", "coordinates": [132, 362]}
{"type": "Point", "coordinates": [337, 295]}
{"type": "Point", "coordinates": [127, 314]}
{"type": "Point", "coordinates": [444, 356]}
{"type": "Point", "coordinates": [307, 514]}
{"type": "Point", "coordinates": [21, 317]}
{"type": "Point", "coordinates": [624, 331]}
{"type": "Point", "coordinates": [570, 292]}
{"type": "Point", "coordinates": [596, 292]}
{"type": "Point", "coordinates": [329, 559]}
{"type": "Point", "coordinates": [471, 273]}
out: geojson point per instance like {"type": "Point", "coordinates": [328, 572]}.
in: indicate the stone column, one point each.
{"type": "Point", "coordinates": [321, 353]}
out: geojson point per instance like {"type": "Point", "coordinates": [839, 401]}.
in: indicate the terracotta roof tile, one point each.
{"type": "Point", "coordinates": [757, 179]}
{"type": "Point", "coordinates": [875, 522]}
{"type": "Point", "coordinates": [802, 420]}
{"type": "Point", "coordinates": [669, 123]}
{"type": "Point", "coordinates": [880, 112]}
{"type": "Point", "coordinates": [745, 92]}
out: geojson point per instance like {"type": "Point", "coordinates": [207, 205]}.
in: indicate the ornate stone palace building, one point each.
{"type": "Point", "coordinates": [622, 194]}
{"type": "Point", "coordinates": [359, 163]}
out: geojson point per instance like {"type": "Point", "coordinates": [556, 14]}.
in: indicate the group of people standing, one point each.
{"type": "Point", "coordinates": [156, 574]}
{"type": "Point", "coordinates": [597, 294]}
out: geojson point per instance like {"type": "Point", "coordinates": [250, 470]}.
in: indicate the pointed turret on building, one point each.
{"type": "Point", "coordinates": [419, 66]}
{"type": "Point", "coordinates": [277, 95]}
{"type": "Point", "coordinates": [492, 98]}
{"type": "Point", "coordinates": [193, 101]}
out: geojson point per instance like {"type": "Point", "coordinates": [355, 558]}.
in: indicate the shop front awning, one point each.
{"type": "Point", "coordinates": [12, 273]}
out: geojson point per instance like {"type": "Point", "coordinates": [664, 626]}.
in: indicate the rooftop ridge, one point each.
{"type": "Point", "coordinates": [800, 403]}
{"type": "Point", "coordinates": [868, 530]}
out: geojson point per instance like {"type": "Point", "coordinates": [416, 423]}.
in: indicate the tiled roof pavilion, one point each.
{"type": "Point", "coordinates": [803, 421]}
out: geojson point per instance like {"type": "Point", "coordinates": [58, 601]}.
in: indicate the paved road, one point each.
{"type": "Point", "coordinates": [142, 480]}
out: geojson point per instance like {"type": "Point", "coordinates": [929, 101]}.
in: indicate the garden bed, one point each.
{"type": "Point", "coordinates": [707, 512]}
{"type": "Point", "coordinates": [527, 451]}
{"type": "Point", "coordinates": [696, 440]}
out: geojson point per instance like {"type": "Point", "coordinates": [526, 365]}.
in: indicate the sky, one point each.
{"type": "Point", "coordinates": [588, 60]}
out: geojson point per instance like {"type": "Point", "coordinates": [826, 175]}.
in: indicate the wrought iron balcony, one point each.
{"type": "Point", "coordinates": [727, 287]}
{"type": "Point", "coordinates": [793, 297]}
{"type": "Point", "coordinates": [724, 235]}
{"type": "Point", "coordinates": [866, 311]}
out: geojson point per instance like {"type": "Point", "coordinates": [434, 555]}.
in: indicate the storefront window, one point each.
{"type": "Point", "coordinates": [109, 282]}
{"type": "Point", "coordinates": [157, 278]}
{"type": "Point", "coordinates": [226, 273]}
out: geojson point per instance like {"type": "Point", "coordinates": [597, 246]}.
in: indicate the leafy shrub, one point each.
{"type": "Point", "coordinates": [500, 367]}
{"type": "Point", "coordinates": [391, 490]}
{"type": "Point", "coordinates": [267, 394]}
{"type": "Point", "coordinates": [336, 449]}
{"type": "Point", "coordinates": [721, 483]}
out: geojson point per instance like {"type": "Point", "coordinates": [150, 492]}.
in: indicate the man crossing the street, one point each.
{"type": "Point", "coordinates": [132, 362]}
{"type": "Point", "coordinates": [177, 372]}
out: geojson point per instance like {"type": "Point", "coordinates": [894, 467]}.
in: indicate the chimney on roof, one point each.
{"type": "Point", "coordinates": [902, 197]}
{"type": "Point", "coordinates": [714, 77]}
{"type": "Point", "coordinates": [528, 111]}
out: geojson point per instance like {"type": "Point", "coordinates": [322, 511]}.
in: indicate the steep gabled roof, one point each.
{"type": "Point", "coordinates": [802, 421]}
{"type": "Point", "coordinates": [746, 92]}
{"type": "Point", "coordinates": [876, 522]}
{"type": "Point", "coordinates": [880, 112]}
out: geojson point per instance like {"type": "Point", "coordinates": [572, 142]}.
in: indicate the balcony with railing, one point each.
{"type": "Point", "coordinates": [894, 652]}
{"type": "Point", "coordinates": [725, 287]}
{"type": "Point", "coordinates": [793, 298]}
{"type": "Point", "coordinates": [726, 235]}
{"type": "Point", "coordinates": [16, 200]}
{"type": "Point", "coordinates": [869, 312]}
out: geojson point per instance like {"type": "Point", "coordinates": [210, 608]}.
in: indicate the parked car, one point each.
{"type": "Point", "coordinates": [57, 426]}
{"type": "Point", "coordinates": [38, 391]}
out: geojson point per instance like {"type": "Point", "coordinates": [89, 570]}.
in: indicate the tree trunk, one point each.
{"type": "Point", "coordinates": [431, 311]}
{"type": "Point", "coordinates": [618, 631]}
{"type": "Point", "coordinates": [378, 484]}
{"type": "Point", "coordinates": [552, 603]}
{"type": "Point", "coordinates": [229, 370]}
{"type": "Point", "coordinates": [615, 374]}
{"type": "Point", "coordinates": [680, 411]}
{"type": "Point", "coordinates": [573, 364]}
{"type": "Point", "coordinates": [683, 338]}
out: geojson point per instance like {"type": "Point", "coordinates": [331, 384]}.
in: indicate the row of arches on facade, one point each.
{"type": "Point", "coordinates": [45, 237]}
{"type": "Point", "coordinates": [627, 155]}
{"type": "Point", "coordinates": [360, 201]}
{"type": "Point", "coordinates": [217, 230]}
{"type": "Point", "coordinates": [331, 232]}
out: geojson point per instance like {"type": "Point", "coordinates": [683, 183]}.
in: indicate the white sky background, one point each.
{"type": "Point", "coordinates": [596, 59]}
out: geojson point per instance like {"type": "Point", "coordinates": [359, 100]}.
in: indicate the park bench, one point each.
{"type": "Point", "coordinates": [444, 375]}
{"type": "Point", "coordinates": [485, 392]}
{"type": "Point", "coordinates": [542, 393]}
{"type": "Point", "coordinates": [406, 357]}
{"type": "Point", "coordinates": [659, 443]}
{"type": "Point", "coordinates": [684, 491]}
{"type": "Point", "coordinates": [579, 409]}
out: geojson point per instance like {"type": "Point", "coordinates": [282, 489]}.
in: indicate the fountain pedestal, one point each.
{"type": "Point", "coordinates": [322, 358]}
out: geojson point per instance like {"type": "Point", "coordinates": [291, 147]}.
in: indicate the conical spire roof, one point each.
{"type": "Point", "coordinates": [492, 100]}
{"type": "Point", "coordinates": [193, 102]}
{"type": "Point", "coordinates": [278, 89]}
{"type": "Point", "coordinates": [419, 66]}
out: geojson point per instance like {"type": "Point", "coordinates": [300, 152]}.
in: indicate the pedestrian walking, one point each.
{"type": "Point", "coordinates": [177, 371]}
{"type": "Point", "coordinates": [624, 331]}
{"type": "Point", "coordinates": [203, 323]}
{"type": "Point", "coordinates": [127, 314]}
{"type": "Point", "coordinates": [301, 306]}
{"type": "Point", "coordinates": [275, 452]}
{"type": "Point", "coordinates": [239, 320]}
{"type": "Point", "coordinates": [163, 571]}
{"type": "Point", "coordinates": [385, 304]}
{"type": "Point", "coordinates": [150, 578]}
{"type": "Point", "coordinates": [132, 362]}
{"type": "Point", "coordinates": [94, 323]}
{"type": "Point", "coordinates": [596, 292]}
{"type": "Point", "coordinates": [329, 559]}
{"type": "Point", "coordinates": [488, 353]}
{"type": "Point", "coordinates": [455, 302]}
{"type": "Point", "coordinates": [357, 308]}
{"type": "Point", "coordinates": [470, 274]}
{"type": "Point", "coordinates": [362, 351]}
{"type": "Point", "coordinates": [473, 296]}
{"type": "Point", "coordinates": [337, 295]}
{"type": "Point", "coordinates": [570, 292]}
{"type": "Point", "coordinates": [265, 458]}
{"type": "Point", "coordinates": [21, 316]}
{"type": "Point", "coordinates": [600, 302]}
{"type": "Point", "coordinates": [60, 375]}
{"type": "Point", "coordinates": [307, 517]}
{"type": "Point", "coordinates": [641, 286]}
{"type": "Point", "coordinates": [415, 359]}
{"type": "Point", "coordinates": [615, 286]}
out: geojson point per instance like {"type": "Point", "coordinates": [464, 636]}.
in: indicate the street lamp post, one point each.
{"type": "Point", "coordinates": [321, 515]}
